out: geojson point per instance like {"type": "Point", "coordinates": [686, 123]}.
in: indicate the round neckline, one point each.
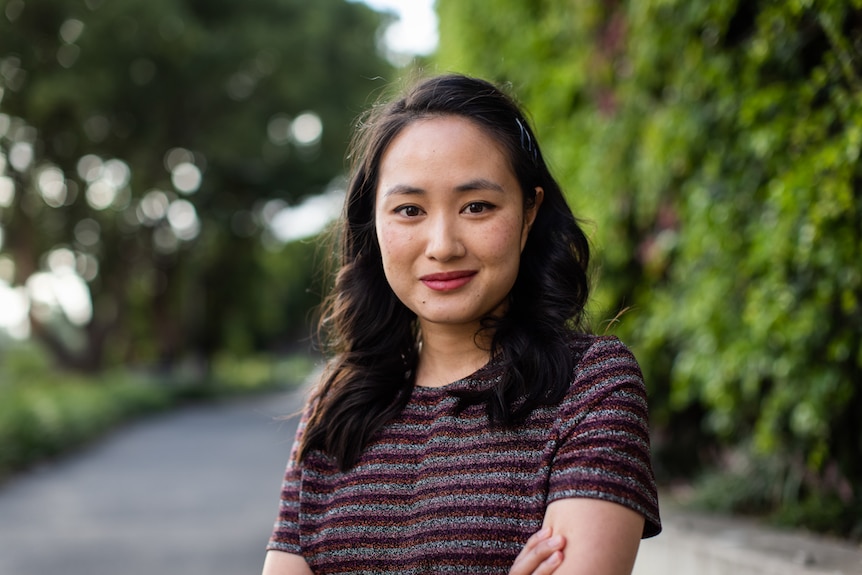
{"type": "Point", "coordinates": [480, 377]}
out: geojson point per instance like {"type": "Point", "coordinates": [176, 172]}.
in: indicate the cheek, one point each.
{"type": "Point", "coordinates": [505, 243]}
{"type": "Point", "coordinates": [393, 243]}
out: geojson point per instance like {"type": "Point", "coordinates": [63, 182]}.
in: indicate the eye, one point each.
{"type": "Point", "coordinates": [478, 207]}
{"type": "Point", "coordinates": [408, 211]}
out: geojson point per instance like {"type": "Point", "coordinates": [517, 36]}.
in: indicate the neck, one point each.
{"type": "Point", "coordinates": [448, 355]}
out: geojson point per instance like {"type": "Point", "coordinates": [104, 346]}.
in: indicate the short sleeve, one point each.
{"type": "Point", "coordinates": [285, 533]}
{"type": "Point", "coordinates": [603, 434]}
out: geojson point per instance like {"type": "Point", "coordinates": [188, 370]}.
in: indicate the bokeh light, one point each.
{"type": "Point", "coordinates": [107, 182]}
{"type": "Point", "coordinates": [117, 173]}
{"type": "Point", "coordinates": [100, 195]}
{"type": "Point", "coordinates": [14, 9]}
{"type": "Point", "coordinates": [67, 55]}
{"type": "Point", "coordinates": [86, 266]}
{"type": "Point", "coordinates": [414, 32]}
{"type": "Point", "coordinates": [7, 269]}
{"type": "Point", "coordinates": [186, 178]}
{"type": "Point", "coordinates": [183, 219]}
{"type": "Point", "coordinates": [97, 128]}
{"type": "Point", "coordinates": [306, 129]}
{"type": "Point", "coordinates": [153, 207]}
{"type": "Point", "coordinates": [61, 260]}
{"type": "Point", "coordinates": [278, 129]}
{"type": "Point", "coordinates": [186, 169]}
{"type": "Point", "coordinates": [90, 168]}
{"type": "Point", "coordinates": [71, 30]}
{"type": "Point", "coordinates": [87, 232]}
{"type": "Point", "coordinates": [21, 155]}
{"type": "Point", "coordinates": [176, 156]}
{"type": "Point", "coordinates": [240, 86]}
{"type": "Point", "coordinates": [52, 185]}
{"type": "Point", "coordinates": [62, 291]}
{"type": "Point", "coordinates": [7, 191]}
{"type": "Point", "coordinates": [165, 241]}
{"type": "Point", "coordinates": [12, 73]}
{"type": "Point", "coordinates": [14, 310]}
{"type": "Point", "coordinates": [306, 219]}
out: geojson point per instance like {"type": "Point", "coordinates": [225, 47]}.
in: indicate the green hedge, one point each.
{"type": "Point", "coordinates": [44, 417]}
{"type": "Point", "coordinates": [44, 413]}
{"type": "Point", "coordinates": [715, 147]}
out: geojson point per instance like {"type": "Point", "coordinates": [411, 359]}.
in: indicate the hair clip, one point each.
{"type": "Point", "coordinates": [527, 141]}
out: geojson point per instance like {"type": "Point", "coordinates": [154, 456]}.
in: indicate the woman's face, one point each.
{"type": "Point", "coordinates": [451, 222]}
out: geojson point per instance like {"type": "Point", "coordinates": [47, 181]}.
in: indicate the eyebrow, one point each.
{"type": "Point", "coordinates": [477, 184]}
{"type": "Point", "coordinates": [480, 184]}
{"type": "Point", "coordinates": [402, 189]}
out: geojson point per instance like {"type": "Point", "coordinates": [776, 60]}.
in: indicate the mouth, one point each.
{"type": "Point", "coordinates": [448, 281]}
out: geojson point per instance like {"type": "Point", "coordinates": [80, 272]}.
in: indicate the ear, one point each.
{"type": "Point", "coordinates": [530, 214]}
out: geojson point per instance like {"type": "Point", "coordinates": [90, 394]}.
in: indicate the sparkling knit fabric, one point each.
{"type": "Point", "coordinates": [437, 492]}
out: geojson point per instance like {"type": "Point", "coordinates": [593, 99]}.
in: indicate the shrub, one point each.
{"type": "Point", "coordinates": [45, 416]}
{"type": "Point", "coordinates": [45, 413]}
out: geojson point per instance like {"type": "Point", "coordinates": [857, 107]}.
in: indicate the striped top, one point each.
{"type": "Point", "coordinates": [444, 492]}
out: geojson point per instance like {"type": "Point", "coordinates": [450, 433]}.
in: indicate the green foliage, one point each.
{"type": "Point", "coordinates": [714, 147]}
{"type": "Point", "coordinates": [148, 84]}
{"type": "Point", "coordinates": [41, 417]}
{"type": "Point", "coordinates": [45, 413]}
{"type": "Point", "coordinates": [244, 374]}
{"type": "Point", "coordinates": [753, 486]}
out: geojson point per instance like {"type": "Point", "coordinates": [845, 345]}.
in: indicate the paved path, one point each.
{"type": "Point", "coordinates": [187, 493]}
{"type": "Point", "coordinates": [195, 492]}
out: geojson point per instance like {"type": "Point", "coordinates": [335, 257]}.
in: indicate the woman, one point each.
{"type": "Point", "coordinates": [466, 422]}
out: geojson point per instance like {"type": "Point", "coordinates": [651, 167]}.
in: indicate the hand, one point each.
{"type": "Point", "coordinates": [541, 555]}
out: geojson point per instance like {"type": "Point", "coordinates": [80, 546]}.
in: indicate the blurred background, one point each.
{"type": "Point", "coordinates": [167, 168]}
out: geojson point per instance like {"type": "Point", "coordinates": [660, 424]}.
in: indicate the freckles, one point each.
{"type": "Point", "coordinates": [389, 236]}
{"type": "Point", "coordinates": [505, 248]}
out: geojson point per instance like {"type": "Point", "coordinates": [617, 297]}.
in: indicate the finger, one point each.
{"type": "Point", "coordinates": [538, 537]}
{"type": "Point", "coordinates": [535, 539]}
{"type": "Point", "coordinates": [550, 564]}
{"type": "Point", "coordinates": [536, 552]}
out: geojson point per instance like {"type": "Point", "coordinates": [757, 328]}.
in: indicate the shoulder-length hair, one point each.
{"type": "Point", "coordinates": [371, 335]}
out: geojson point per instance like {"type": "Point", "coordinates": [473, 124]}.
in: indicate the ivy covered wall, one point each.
{"type": "Point", "coordinates": [713, 148]}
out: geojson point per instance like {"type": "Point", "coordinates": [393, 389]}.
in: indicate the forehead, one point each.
{"type": "Point", "coordinates": [445, 144]}
{"type": "Point", "coordinates": [451, 124]}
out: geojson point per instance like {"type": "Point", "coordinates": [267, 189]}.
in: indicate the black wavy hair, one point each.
{"type": "Point", "coordinates": [371, 335]}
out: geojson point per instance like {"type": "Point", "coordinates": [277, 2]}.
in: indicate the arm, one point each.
{"type": "Point", "coordinates": [282, 556]}
{"type": "Point", "coordinates": [281, 563]}
{"type": "Point", "coordinates": [604, 450]}
{"type": "Point", "coordinates": [602, 497]}
{"type": "Point", "coordinates": [601, 537]}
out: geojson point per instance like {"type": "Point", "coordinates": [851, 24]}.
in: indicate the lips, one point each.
{"type": "Point", "coordinates": [448, 281]}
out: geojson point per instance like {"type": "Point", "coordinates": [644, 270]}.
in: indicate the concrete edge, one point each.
{"type": "Point", "coordinates": [701, 544]}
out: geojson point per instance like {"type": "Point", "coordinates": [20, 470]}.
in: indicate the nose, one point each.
{"type": "Point", "coordinates": [443, 242]}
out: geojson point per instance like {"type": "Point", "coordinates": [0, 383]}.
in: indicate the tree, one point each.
{"type": "Point", "coordinates": [147, 145]}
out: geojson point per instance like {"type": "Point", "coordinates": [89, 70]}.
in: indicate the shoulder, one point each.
{"type": "Point", "coordinates": [605, 377]}
{"type": "Point", "coordinates": [596, 356]}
